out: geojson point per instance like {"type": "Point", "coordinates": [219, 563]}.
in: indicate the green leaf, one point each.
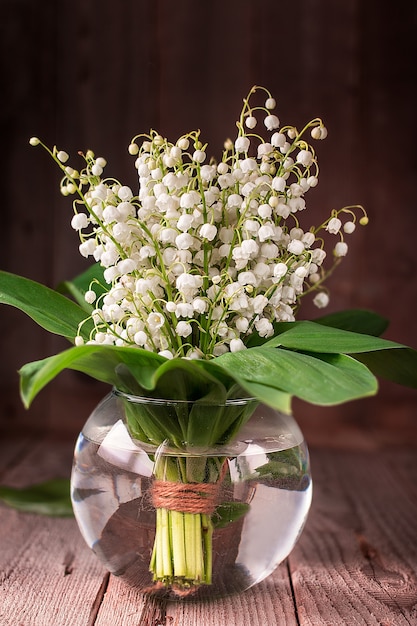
{"type": "Point", "coordinates": [354, 320]}
{"type": "Point", "coordinates": [277, 469]}
{"type": "Point", "coordinates": [228, 512]}
{"type": "Point", "coordinates": [141, 372]}
{"type": "Point", "coordinates": [109, 364]}
{"type": "Point", "coordinates": [134, 371]}
{"type": "Point", "coordinates": [357, 321]}
{"type": "Point", "coordinates": [184, 379]}
{"type": "Point", "coordinates": [92, 278]}
{"type": "Point", "coordinates": [45, 306]}
{"type": "Point", "coordinates": [274, 397]}
{"type": "Point", "coordinates": [283, 464]}
{"type": "Point", "coordinates": [48, 498]}
{"type": "Point", "coordinates": [313, 337]}
{"type": "Point", "coordinates": [323, 379]}
{"type": "Point", "coordinates": [399, 366]}
{"type": "Point", "coordinates": [193, 421]}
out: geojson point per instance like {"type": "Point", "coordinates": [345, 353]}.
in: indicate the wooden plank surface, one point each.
{"type": "Point", "coordinates": [355, 563]}
{"type": "Point", "coordinates": [47, 574]}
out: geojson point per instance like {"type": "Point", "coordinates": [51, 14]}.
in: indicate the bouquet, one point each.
{"type": "Point", "coordinates": [193, 294]}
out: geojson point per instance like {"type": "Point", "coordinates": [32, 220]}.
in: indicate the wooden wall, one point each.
{"type": "Point", "coordinates": [93, 74]}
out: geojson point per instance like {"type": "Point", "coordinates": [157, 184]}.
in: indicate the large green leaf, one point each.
{"type": "Point", "coordinates": [354, 320]}
{"type": "Point", "coordinates": [132, 370]}
{"type": "Point", "coordinates": [48, 498]}
{"type": "Point", "coordinates": [49, 309]}
{"type": "Point", "coordinates": [318, 378]}
{"type": "Point", "coordinates": [323, 379]}
{"type": "Point", "coordinates": [273, 396]}
{"type": "Point", "coordinates": [201, 421]}
{"type": "Point", "coordinates": [141, 372]}
{"type": "Point", "coordinates": [357, 321]}
{"type": "Point", "coordinates": [313, 337]}
{"type": "Point", "coordinates": [387, 359]}
{"type": "Point", "coordinates": [399, 366]}
{"type": "Point", "coordinates": [109, 364]}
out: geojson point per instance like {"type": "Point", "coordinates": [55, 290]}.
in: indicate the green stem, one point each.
{"type": "Point", "coordinates": [179, 545]}
{"type": "Point", "coordinates": [166, 543]}
{"type": "Point", "coordinates": [207, 525]}
{"type": "Point", "coordinates": [182, 552]}
{"type": "Point", "coordinates": [189, 528]}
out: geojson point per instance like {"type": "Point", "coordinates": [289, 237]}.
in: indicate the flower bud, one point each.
{"type": "Point", "coordinates": [312, 181]}
{"type": "Point", "coordinates": [133, 149]}
{"type": "Point", "coordinates": [295, 247]}
{"type": "Point", "coordinates": [315, 132]}
{"type": "Point", "coordinates": [305, 158]}
{"type": "Point", "coordinates": [321, 300]}
{"type": "Point", "coordinates": [62, 156]}
{"type": "Point", "coordinates": [183, 329]}
{"type": "Point", "coordinates": [199, 156]}
{"type": "Point", "coordinates": [208, 231]}
{"type": "Point", "coordinates": [90, 296]}
{"type": "Point", "coordinates": [250, 121]}
{"type": "Point", "coordinates": [271, 122]}
{"type": "Point", "coordinates": [334, 225]}
{"type": "Point", "coordinates": [96, 170]}
{"type": "Point", "coordinates": [242, 144]}
{"type": "Point", "coordinates": [278, 183]}
{"type": "Point", "coordinates": [79, 221]}
{"type": "Point", "coordinates": [341, 249]}
{"type": "Point", "coordinates": [236, 345]}
{"type": "Point", "coordinates": [183, 143]}
{"type": "Point", "coordinates": [125, 193]}
{"type": "Point", "coordinates": [349, 227]}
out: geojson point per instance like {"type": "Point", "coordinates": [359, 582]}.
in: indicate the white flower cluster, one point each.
{"type": "Point", "coordinates": [207, 253]}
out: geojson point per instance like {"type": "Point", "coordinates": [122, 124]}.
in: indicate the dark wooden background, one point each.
{"type": "Point", "coordinates": [93, 74]}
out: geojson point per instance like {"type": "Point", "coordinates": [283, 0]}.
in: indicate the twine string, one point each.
{"type": "Point", "coordinates": [185, 497]}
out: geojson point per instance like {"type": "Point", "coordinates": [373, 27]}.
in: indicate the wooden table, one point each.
{"type": "Point", "coordinates": [355, 563]}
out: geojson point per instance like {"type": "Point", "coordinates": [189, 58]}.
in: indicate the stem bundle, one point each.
{"type": "Point", "coordinates": [182, 553]}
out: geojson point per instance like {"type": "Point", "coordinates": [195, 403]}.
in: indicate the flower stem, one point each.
{"type": "Point", "coordinates": [179, 535]}
{"type": "Point", "coordinates": [207, 526]}
{"type": "Point", "coordinates": [182, 552]}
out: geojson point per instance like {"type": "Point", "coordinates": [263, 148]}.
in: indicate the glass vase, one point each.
{"type": "Point", "coordinates": [190, 521]}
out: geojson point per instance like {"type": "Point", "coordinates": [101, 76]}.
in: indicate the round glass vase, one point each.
{"type": "Point", "coordinates": [190, 521]}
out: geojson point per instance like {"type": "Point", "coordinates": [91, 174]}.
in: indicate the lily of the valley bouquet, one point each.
{"type": "Point", "coordinates": [193, 293]}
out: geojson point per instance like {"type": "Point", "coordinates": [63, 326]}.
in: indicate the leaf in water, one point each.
{"type": "Point", "coordinates": [277, 469]}
{"type": "Point", "coordinates": [228, 512]}
{"type": "Point", "coordinates": [49, 498]}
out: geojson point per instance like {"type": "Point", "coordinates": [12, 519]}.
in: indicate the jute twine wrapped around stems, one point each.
{"type": "Point", "coordinates": [186, 497]}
